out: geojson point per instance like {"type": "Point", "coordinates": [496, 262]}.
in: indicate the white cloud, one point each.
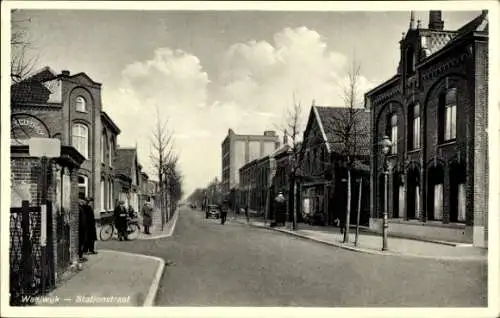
{"type": "Point", "coordinates": [256, 86]}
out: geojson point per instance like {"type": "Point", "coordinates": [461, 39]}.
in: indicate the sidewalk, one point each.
{"type": "Point", "coordinates": [168, 229]}
{"type": "Point", "coordinates": [371, 243]}
{"type": "Point", "coordinates": [110, 278]}
{"type": "Point", "coordinates": [156, 233]}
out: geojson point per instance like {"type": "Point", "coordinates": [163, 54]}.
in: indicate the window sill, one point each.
{"type": "Point", "coordinates": [414, 150]}
{"type": "Point", "coordinates": [447, 143]}
{"type": "Point", "coordinates": [431, 223]}
{"type": "Point", "coordinates": [82, 111]}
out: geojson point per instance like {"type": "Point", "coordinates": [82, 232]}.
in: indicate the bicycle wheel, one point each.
{"type": "Point", "coordinates": [133, 231]}
{"type": "Point", "coordinates": [106, 232]}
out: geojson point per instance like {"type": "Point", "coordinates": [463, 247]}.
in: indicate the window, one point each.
{"type": "Point", "coordinates": [110, 195]}
{"type": "Point", "coordinates": [81, 104]}
{"type": "Point", "coordinates": [80, 138]}
{"type": "Point", "coordinates": [102, 147]}
{"type": "Point", "coordinates": [83, 186]}
{"type": "Point", "coordinates": [416, 126]}
{"type": "Point", "coordinates": [450, 115]}
{"type": "Point", "coordinates": [111, 152]}
{"type": "Point", "coordinates": [394, 133]}
{"type": "Point", "coordinates": [103, 185]}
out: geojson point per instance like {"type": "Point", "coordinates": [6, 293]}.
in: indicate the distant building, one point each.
{"type": "Point", "coordinates": [238, 150]}
{"type": "Point", "coordinates": [435, 110]}
{"type": "Point", "coordinates": [128, 177]}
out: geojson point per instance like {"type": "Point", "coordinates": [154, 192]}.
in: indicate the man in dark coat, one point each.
{"type": "Point", "coordinates": [82, 229]}
{"type": "Point", "coordinates": [120, 215]}
{"type": "Point", "coordinates": [90, 233]}
{"type": "Point", "coordinates": [147, 216]}
{"type": "Point", "coordinates": [223, 207]}
{"type": "Point", "coordinates": [280, 208]}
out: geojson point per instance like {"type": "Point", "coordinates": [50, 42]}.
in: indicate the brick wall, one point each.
{"type": "Point", "coordinates": [480, 136]}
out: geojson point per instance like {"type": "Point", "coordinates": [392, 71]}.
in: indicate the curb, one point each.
{"type": "Point", "coordinates": [368, 251]}
{"type": "Point", "coordinates": [173, 223]}
{"type": "Point", "coordinates": [153, 289]}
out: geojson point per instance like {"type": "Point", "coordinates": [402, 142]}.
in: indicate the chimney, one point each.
{"type": "Point", "coordinates": [435, 22]}
{"type": "Point", "coordinates": [285, 138]}
{"type": "Point", "coordinates": [65, 73]}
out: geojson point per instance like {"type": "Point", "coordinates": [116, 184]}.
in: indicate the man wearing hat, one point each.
{"type": "Point", "coordinates": [90, 230]}
{"type": "Point", "coordinates": [120, 214]}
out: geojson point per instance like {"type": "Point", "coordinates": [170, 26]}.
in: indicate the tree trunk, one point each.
{"type": "Point", "coordinates": [295, 204]}
{"type": "Point", "coordinates": [348, 210]}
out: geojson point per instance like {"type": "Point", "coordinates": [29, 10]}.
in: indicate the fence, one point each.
{"type": "Point", "coordinates": [31, 260]}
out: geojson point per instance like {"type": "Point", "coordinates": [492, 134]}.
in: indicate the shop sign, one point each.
{"type": "Point", "coordinates": [26, 126]}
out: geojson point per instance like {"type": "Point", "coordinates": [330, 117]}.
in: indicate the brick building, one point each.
{"type": "Point", "coordinates": [69, 106]}
{"type": "Point", "coordinates": [128, 177]}
{"type": "Point", "coordinates": [238, 150]}
{"type": "Point", "coordinates": [323, 189]}
{"type": "Point", "coordinates": [108, 154]}
{"type": "Point", "coordinates": [434, 109]}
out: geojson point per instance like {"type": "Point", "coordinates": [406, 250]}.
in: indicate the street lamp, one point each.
{"type": "Point", "coordinates": [385, 145]}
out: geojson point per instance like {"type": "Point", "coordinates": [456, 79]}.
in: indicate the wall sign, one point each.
{"type": "Point", "coordinates": [25, 126]}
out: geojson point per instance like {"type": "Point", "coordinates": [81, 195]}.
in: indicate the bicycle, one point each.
{"type": "Point", "coordinates": [109, 230]}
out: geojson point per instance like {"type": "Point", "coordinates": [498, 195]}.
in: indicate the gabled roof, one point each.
{"type": "Point", "coordinates": [110, 122]}
{"type": "Point", "coordinates": [124, 160]}
{"type": "Point", "coordinates": [332, 121]}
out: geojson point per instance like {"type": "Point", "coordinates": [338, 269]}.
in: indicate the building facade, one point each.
{"type": "Point", "coordinates": [434, 109]}
{"type": "Point", "coordinates": [323, 185]}
{"type": "Point", "coordinates": [70, 107]}
{"type": "Point", "coordinates": [238, 150]}
{"type": "Point", "coordinates": [109, 135]}
{"type": "Point", "coordinates": [128, 177]}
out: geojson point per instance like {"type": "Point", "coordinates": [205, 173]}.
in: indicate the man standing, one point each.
{"type": "Point", "coordinates": [280, 204]}
{"type": "Point", "coordinates": [82, 228]}
{"type": "Point", "coordinates": [90, 233]}
{"type": "Point", "coordinates": [147, 216]}
{"type": "Point", "coordinates": [120, 216]}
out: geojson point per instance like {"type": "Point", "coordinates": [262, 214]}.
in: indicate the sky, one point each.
{"type": "Point", "coordinates": [207, 71]}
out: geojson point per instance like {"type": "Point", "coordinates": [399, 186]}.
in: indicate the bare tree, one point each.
{"type": "Point", "coordinates": [173, 182]}
{"type": "Point", "coordinates": [161, 154]}
{"type": "Point", "coordinates": [350, 133]}
{"type": "Point", "coordinates": [292, 130]}
{"type": "Point", "coordinates": [20, 64]}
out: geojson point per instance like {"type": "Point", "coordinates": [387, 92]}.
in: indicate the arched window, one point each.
{"type": "Point", "coordinates": [80, 138]}
{"type": "Point", "coordinates": [450, 114]}
{"type": "Point", "coordinates": [410, 60]}
{"type": "Point", "coordinates": [81, 104]}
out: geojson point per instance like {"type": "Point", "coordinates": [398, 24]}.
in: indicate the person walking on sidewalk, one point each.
{"type": "Point", "coordinates": [120, 215]}
{"type": "Point", "coordinates": [90, 231]}
{"type": "Point", "coordinates": [147, 216]}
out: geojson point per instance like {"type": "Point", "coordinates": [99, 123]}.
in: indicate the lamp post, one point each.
{"type": "Point", "coordinates": [386, 145]}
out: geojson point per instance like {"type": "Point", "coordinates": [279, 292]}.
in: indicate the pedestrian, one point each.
{"type": "Point", "coordinates": [280, 203]}
{"type": "Point", "coordinates": [246, 214]}
{"type": "Point", "coordinates": [223, 207]}
{"type": "Point", "coordinates": [147, 216]}
{"type": "Point", "coordinates": [120, 216]}
{"type": "Point", "coordinates": [90, 233]}
{"type": "Point", "coordinates": [82, 228]}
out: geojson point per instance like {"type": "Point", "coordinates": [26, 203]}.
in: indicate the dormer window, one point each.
{"type": "Point", "coordinates": [81, 104]}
